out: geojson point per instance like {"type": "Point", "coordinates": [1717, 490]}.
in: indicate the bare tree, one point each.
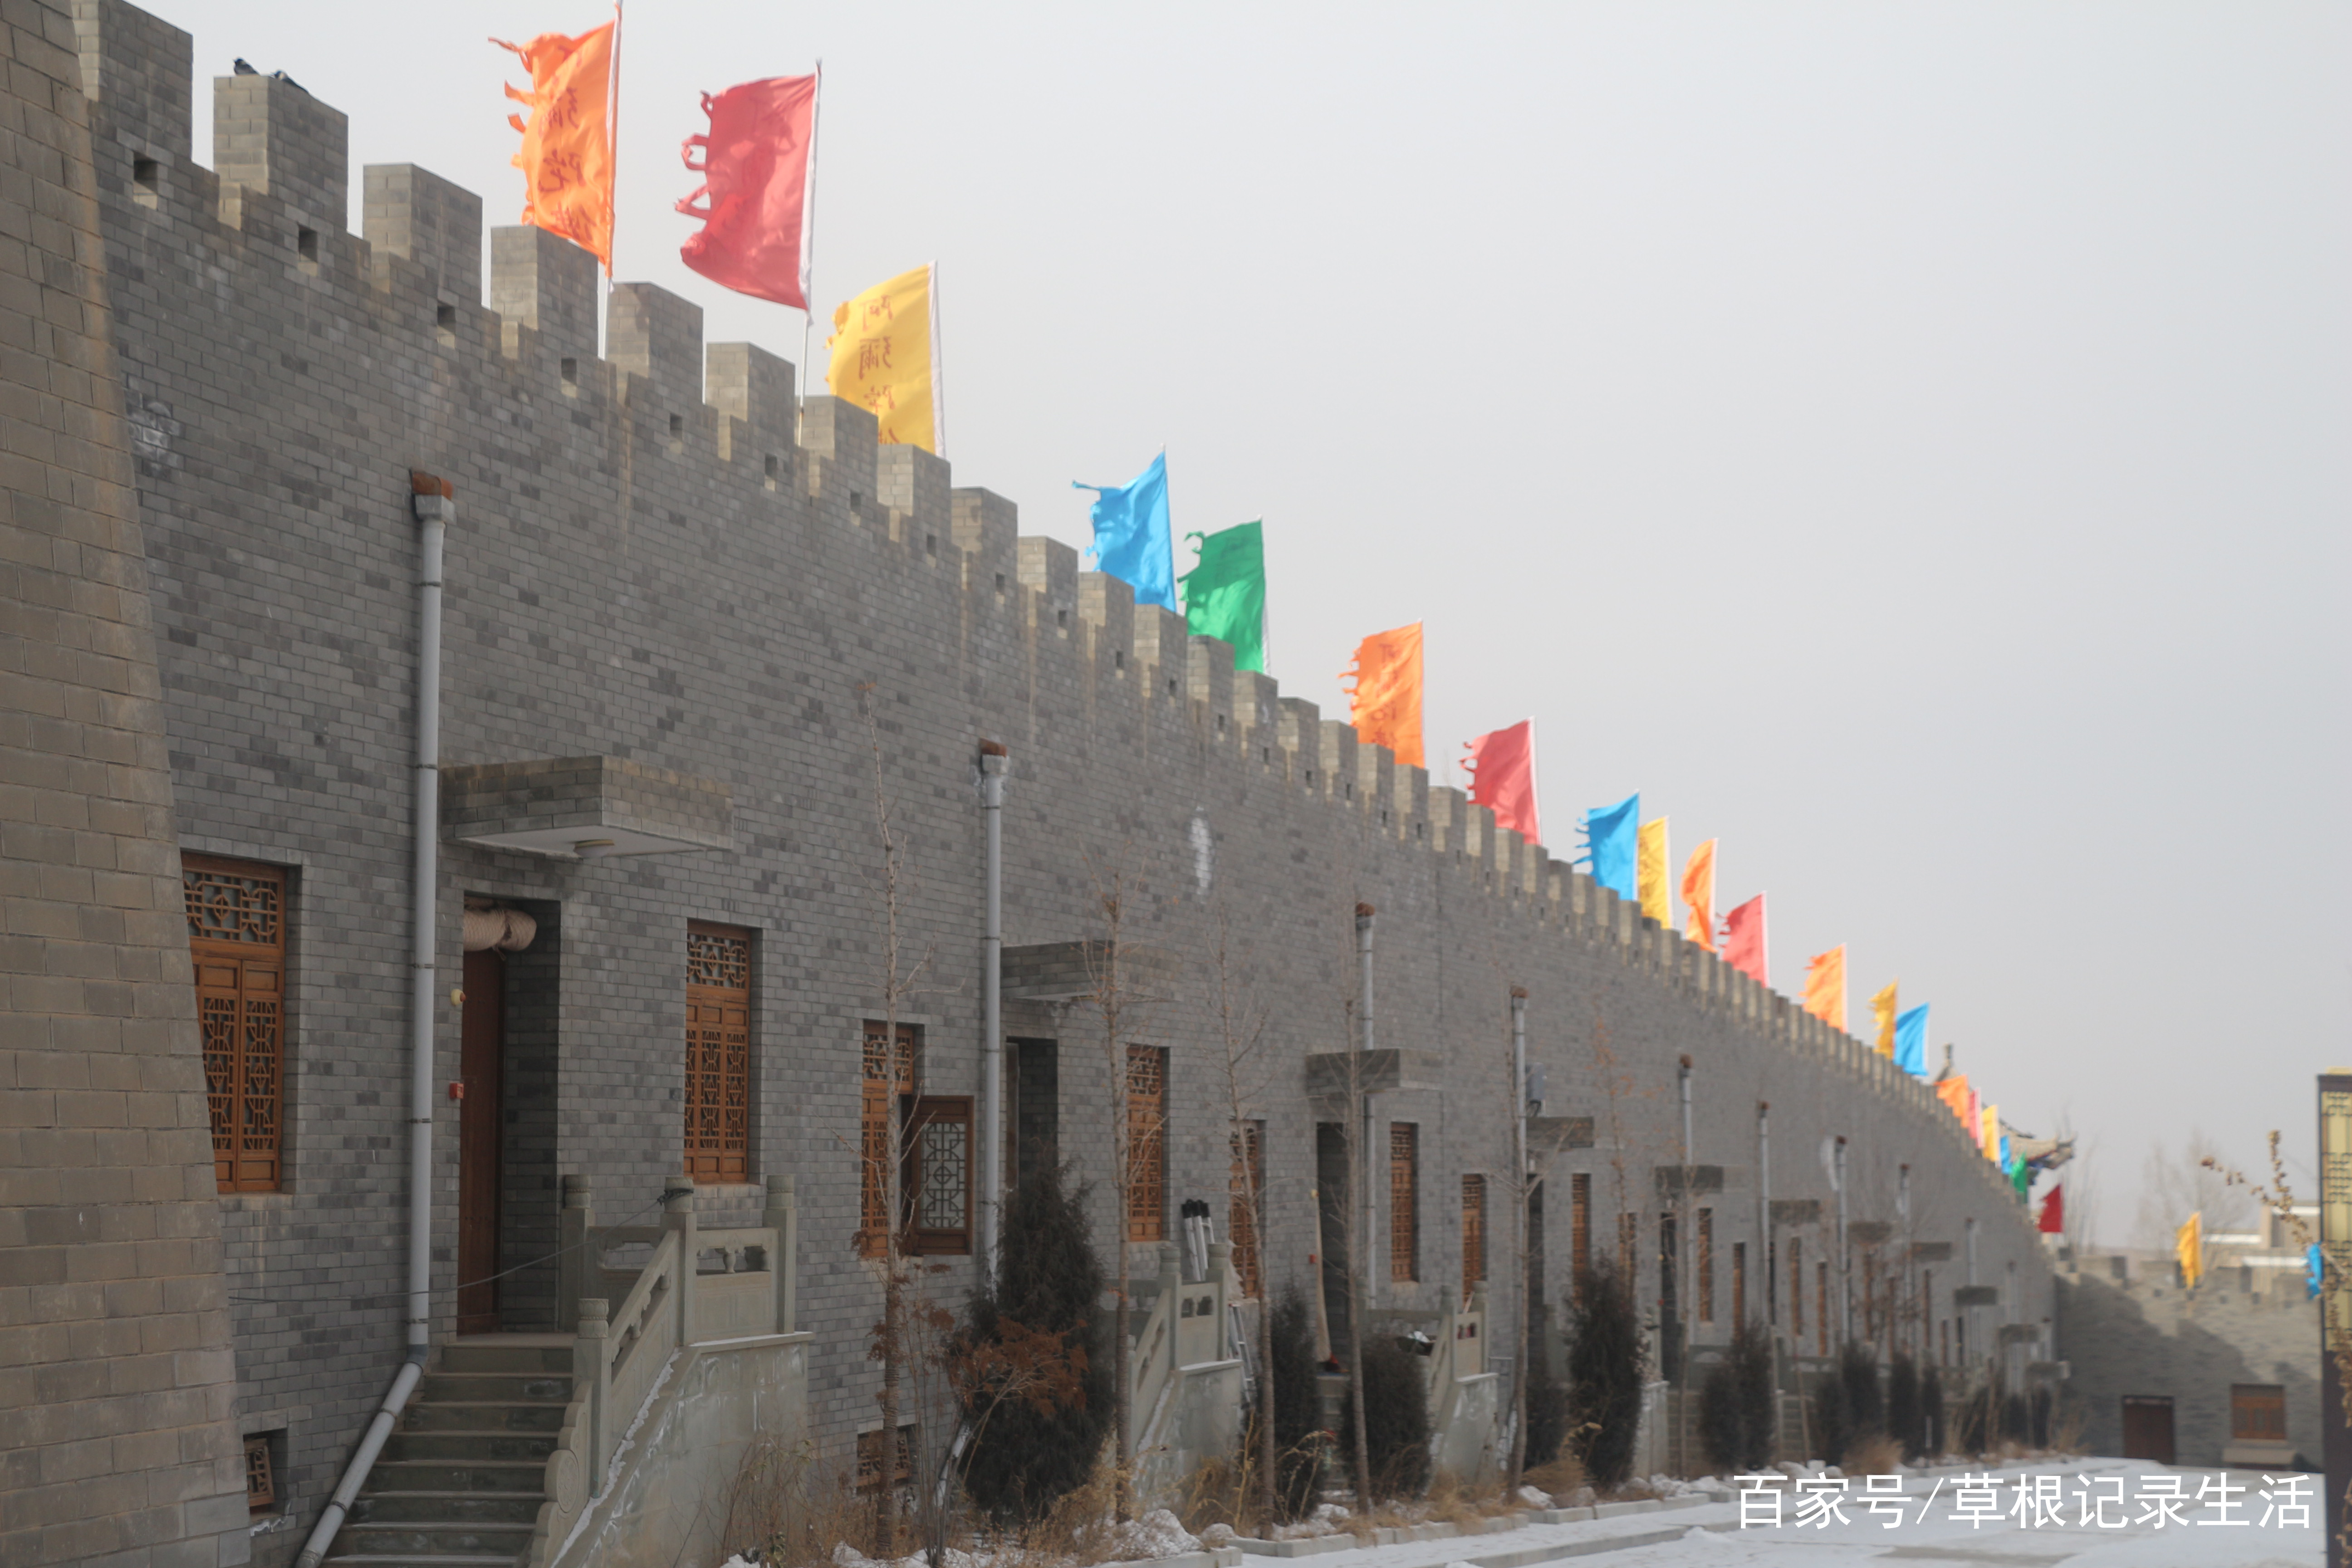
{"type": "Point", "coordinates": [892, 1340]}
{"type": "Point", "coordinates": [2173, 1185]}
{"type": "Point", "coordinates": [2079, 1212]}
{"type": "Point", "coordinates": [1118, 998]}
{"type": "Point", "coordinates": [1241, 1026]}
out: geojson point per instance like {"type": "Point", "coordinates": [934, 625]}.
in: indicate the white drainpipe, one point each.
{"type": "Point", "coordinates": [992, 764]}
{"type": "Point", "coordinates": [435, 507]}
{"type": "Point", "coordinates": [1368, 1208]}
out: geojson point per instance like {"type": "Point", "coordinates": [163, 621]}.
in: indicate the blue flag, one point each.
{"type": "Point", "coordinates": [2312, 1270]}
{"type": "Point", "coordinates": [1609, 835]}
{"type": "Point", "coordinates": [1132, 540]}
{"type": "Point", "coordinates": [1911, 1040]}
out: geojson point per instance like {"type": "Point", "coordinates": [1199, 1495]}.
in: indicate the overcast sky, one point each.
{"type": "Point", "coordinates": [1905, 442]}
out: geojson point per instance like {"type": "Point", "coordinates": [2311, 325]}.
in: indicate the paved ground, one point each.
{"type": "Point", "coordinates": [2129, 1496]}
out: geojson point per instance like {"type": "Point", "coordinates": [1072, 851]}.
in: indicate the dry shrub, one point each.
{"type": "Point", "coordinates": [1078, 1529]}
{"type": "Point", "coordinates": [1225, 1491]}
{"type": "Point", "coordinates": [794, 1510]}
{"type": "Point", "coordinates": [1560, 1478]}
{"type": "Point", "coordinates": [1876, 1453]}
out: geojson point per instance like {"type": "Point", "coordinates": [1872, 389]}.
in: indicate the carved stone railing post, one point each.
{"type": "Point", "coordinates": [592, 1369]}
{"type": "Point", "coordinates": [677, 1215]}
{"type": "Point", "coordinates": [783, 1217]}
{"type": "Point", "coordinates": [575, 1268]}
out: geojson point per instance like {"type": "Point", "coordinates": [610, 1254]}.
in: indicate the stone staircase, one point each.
{"type": "Point", "coordinates": [461, 1479]}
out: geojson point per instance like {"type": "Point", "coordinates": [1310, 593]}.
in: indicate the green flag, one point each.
{"type": "Point", "coordinates": [1224, 593]}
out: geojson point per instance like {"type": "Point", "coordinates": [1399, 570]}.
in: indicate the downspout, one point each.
{"type": "Point", "coordinates": [1903, 1209]}
{"type": "Point", "coordinates": [1522, 1186]}
{"type": "Point", "coordinates": [1686, 1303]}
{"type": "Point", "coordinates": [1365, 914]}
{"type": "Point", "coordinates": [992, 764]}
{"type": "Point", "coordinates": [1772, 1259]}
{"type": "Point", "coordinates": [433, 503]}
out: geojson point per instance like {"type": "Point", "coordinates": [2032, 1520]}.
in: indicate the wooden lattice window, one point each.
{"type": "Point", "coordinates": [1705, 1265]}
{"type": "Point", "coordinates": [1579, 1234]}
{"type": "Point", "coordinates": [718, 1053]}
{"type": "Point", "coordinates": [2257, 1412]}
{"type": "Point", "coordinates": [1404, 1201]}
{"type": "Point", "coordinates": [1797, 1286]}
{"type": "Point", "coordinates": [870, 1448]}
{"type": "Point", "coordinates": [1822, 1309]}
{"type": "Point", "coordinates": [1147, 1143]}
{"type": "Point", "coordinates": [1738, 1285]}
{"type": "Point", "coordinates": [236, 936]}
{"type": "Point", "coordinates": [1247, 1206]}
{"type": "Point", "coordinates": [935, 1176]}
{"type": "Point", "coordinates": [1473, 1234]}
{"type": "Point", "coordinates": [884, 1082]}
{"type": "Point", "coordinates": [260, 1478]}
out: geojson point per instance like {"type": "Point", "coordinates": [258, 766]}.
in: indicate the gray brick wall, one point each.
{"type": "Point", "coordinates": [116, 1381]}
{"type": "Point", "coordinates": [630, 576]}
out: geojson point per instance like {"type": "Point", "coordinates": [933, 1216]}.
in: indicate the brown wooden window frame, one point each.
{"type": "Point", "coordinates": [1147, 1143]}
{"type": "Point", "coordinates": [869, 1459]}
{"type": "Point", "coordinates": [261, 1475]}
{"type": "Point", "coordinates": [2258, 1405]}
{"type": "Point", "coordinates": [716, 1125]}
{"type": "Point", "coordinates": [1473, 1234]}
{"type": "Point", "coordinates": [1405, 1202]}
{"type": "Point", "coordinates": [1580, 1233]}
{"type": "Point", "coordinates": [922, 1161]}
{"type": "Point", "coordinates": [239, 913]}
{"type": "Point", "coordinates": [1246, 1217]}
{"type": "Point", "coordinates": [1704, 1288]}
{"type": "Point", "coordinates": [880, 1100]}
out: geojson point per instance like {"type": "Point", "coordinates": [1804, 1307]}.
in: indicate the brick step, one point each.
{"type": "Point", "coordinates": [485, 1416]}
{"type": "Point", "coordinates": [437, 1541]}
{"type": "Point", "coordinates": [526, 1476]}
{"type": "Point", "coordinates": [467, 1446]}
{"type": "Point", "coordinates": [494, 1388]}
{"type": "Point", "coordinates": [437, 1508]}
{"type": "Point", "coordinates": [509, 1353]}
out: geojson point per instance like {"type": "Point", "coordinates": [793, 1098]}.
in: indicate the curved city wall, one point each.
{"type": "Point", "coordinates": [647, 567]}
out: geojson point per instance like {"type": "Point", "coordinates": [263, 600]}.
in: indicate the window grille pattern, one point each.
{"type": "Point", "coordinates": [231, 902]}
{"type": "Point", "coordinates": [260, 1480]}
{"type": "Point", "coordinates": [870, 1447]}
{"type": "Point", "coordinates": [718, 1122]}
{"type": "Point", "coordinates": [2258, 1411]}
{"type": "Point", "coordinates": [1248, 1204]}
{"type": "Point", "coordinates": [884, 1081]}
{"type": "Point", "coordinates": [1705, 1266]}
{"type": "Point", "coordinates": [1579, 1234]}
{"type": "Point", "coordinates": [236, 932]}
{"type": "Point", "coordinates": [1404, 1206]}
{"type": "Point", "coordinates": [1473, 1233]}
{"type": "Point", "coordinates": [1147, 1143]}
{"type": "Point", "coordinates": [936, 1179]}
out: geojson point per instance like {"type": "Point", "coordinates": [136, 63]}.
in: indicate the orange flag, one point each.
{"type": "Point", "coordinates": [1954, 1092]}
{"type": "Point", "coordinates": [1825, 986]}
{"type": "Point", "coordinates": [567, 147]}
{"type": "Point", "coordinates": [1385, 702]}
{"type": "Point", "coordinates": [1698, 896]}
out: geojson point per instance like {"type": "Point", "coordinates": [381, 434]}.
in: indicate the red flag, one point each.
{"type": "Point", "coordinates": [2053, 1212]}
{"type": "Point", "coordinates": [1743, 940]}
{"type": "Point", "coordinates": [757, 164]}
{"type": "Point", "coordinates": [1502, 764]}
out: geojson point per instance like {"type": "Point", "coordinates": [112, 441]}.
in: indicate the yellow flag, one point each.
{"type": "Point", "coordinates": [1650, 872]}
{"type": "Point", "coordinates": [883, 358]}
{"type": "Point", "coordinates": [2189, 1247]}
{"type": "Point", "coordinates": [1698, 896]}
{"type": "Point", "coordinates": [1991, 1133]}
{"type": "Point", "coordinates": [1826, 987]}
{"type": "Point", "coordinates": [1882, 1007]}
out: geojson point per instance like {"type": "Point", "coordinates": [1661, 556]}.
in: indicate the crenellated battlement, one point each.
{"type": "Point", "coordinates": [721, 418]}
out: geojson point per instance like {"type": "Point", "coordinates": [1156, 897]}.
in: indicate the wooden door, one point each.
{"type": "Point", "coordinates": [478, 1124]}
{"type": "Point", "coordinates": [2147, 1427]}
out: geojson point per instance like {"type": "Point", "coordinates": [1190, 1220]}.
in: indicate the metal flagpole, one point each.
{"type": "Point", "coordinates": [808, 252]}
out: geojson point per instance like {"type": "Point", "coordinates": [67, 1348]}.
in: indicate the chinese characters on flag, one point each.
{"type": "Point", "coordinates": [883, 358]}
{"type": "Point", "coordinates": [757, 161]}
{"type": "Point", "coordinates": [567, 145]}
